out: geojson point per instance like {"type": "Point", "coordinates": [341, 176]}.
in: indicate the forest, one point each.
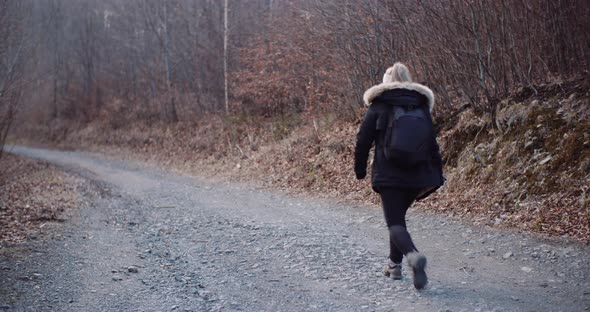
{"type": "Point", "coordinates": [222, 81]}
{"type": "Point", "coordinates": [177, 60]}
{"type": "Point", "coordinates": [199, 155]}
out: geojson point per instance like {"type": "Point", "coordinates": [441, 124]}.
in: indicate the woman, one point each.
{"type": "Point", "coordinates": [397, 184]}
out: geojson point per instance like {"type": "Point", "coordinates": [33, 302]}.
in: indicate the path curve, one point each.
{"type": "Point", "coordinates": [195, 245]}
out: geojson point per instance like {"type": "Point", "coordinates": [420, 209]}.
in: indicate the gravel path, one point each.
{"type": "Point", "coordinates": [149, 240]}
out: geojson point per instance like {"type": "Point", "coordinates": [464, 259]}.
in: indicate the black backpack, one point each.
{"type": "Point", "coordinates": [408, 136]}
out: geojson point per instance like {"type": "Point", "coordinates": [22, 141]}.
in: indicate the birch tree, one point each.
{"type": "Point", "coordinates": [225, 55]}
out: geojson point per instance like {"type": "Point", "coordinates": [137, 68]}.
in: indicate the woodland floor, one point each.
{"type": "Point", "coordinates": [33, 195]}
{"type": "Point", "coordinates": [529, 170]}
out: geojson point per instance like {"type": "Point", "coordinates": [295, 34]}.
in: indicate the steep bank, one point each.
{"type": "Point", "coordinates": [531, 170]}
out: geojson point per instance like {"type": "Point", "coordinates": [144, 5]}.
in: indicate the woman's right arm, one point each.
{"type": "Point", "coordinates": [364, 142]}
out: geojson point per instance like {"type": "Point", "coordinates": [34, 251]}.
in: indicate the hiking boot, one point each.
{"type": "Point", "coordinates": [417, 262]}
{"type": "Point", "coordinates": [393, 269]}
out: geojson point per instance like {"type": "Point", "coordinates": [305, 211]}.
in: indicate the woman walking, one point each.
{"type": "Point", "coordinates": [407, 164]}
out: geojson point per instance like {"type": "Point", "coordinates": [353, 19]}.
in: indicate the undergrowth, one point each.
{"type": "Point", "coordinates": [529, 169]}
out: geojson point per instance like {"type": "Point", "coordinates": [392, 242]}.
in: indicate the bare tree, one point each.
{"type": "Point", "coordinates": [15, 45]}
{"type": "Point", "coordinates": [174, 60]}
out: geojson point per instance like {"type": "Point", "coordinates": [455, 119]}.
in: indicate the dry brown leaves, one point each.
{"type": "Point", "coordinates": [32, 193]}
{"type": "Point", "coordinates": [493, 179]}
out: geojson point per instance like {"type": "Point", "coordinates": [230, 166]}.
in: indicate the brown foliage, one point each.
{"type": "Point", "coordinates": [525, 175]}
{"type": "Point", "coordinates": [164, 59]}
{"type": "Point", "coordinates": [286, 70]}
{"type": "Point", "coordinates": [468, 51]}
{"type": "Point", "coordinates": [32, 194]}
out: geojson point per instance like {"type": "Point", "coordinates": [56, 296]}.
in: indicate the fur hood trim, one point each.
{"type": "Point", "coordinates": [375, 91]}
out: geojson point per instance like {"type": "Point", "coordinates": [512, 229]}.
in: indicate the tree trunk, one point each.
{"type": "Point", "coordinates": [225, 55]}
{"type": "Point", "coordinates": [170, 110]}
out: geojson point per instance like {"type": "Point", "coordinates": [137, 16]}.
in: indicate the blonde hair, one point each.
{"type": "Point", "coordinates": [397, 73]}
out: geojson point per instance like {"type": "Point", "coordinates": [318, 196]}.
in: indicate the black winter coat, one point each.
{"type": "Point", "coordinates": [427, 177]}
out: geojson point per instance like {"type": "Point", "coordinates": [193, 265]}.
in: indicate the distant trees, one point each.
{"type": "Point", "coordinates": [15, 46]}
{"type": "Point", "coordinates": [139, 59]}
{"type": "Point", "coordinates": [173, 60]}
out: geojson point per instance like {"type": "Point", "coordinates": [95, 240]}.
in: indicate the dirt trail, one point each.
{"type": "Point", "coordinates": [149, 240]}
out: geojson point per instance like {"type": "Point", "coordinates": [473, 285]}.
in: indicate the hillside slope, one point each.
{"type": "Point", "coordinates": [529, 169]}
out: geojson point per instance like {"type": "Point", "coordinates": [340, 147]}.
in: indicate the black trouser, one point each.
{"type": "Point", "coordinates": [396, 201]}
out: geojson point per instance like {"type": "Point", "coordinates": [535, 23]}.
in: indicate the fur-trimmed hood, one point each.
{"type": "Point", "coordinates": [377, 90]}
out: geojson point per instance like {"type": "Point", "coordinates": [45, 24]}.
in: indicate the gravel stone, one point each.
{"type": "Point", "coordinates": [220, 246]}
